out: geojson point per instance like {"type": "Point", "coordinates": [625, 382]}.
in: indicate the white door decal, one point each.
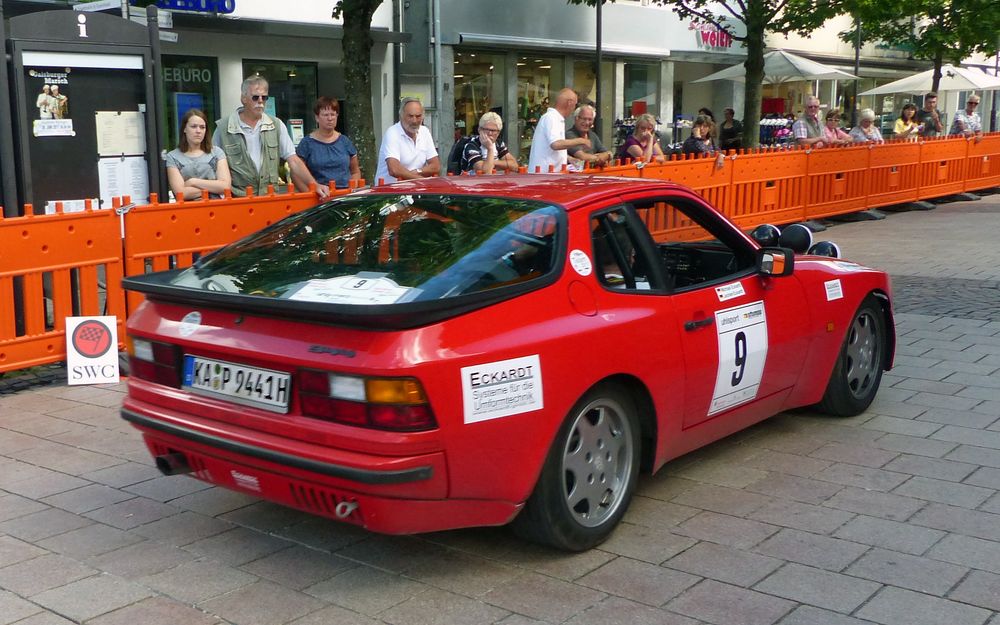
{"type": "Point", "coordinates": [742, 335]}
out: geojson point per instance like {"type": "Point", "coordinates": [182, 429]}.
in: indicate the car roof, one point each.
{"type": "Point", "coordinates": [567, 190]}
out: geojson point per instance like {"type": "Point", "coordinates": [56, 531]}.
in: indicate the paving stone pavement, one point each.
{"type": "Point", "coordinates": [891, 517]}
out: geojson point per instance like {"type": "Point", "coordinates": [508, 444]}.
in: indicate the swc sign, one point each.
{"type": "Point", "coordinates": [92, 350]}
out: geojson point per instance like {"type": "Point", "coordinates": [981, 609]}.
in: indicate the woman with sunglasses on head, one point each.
{"type": "Point", "coordinates": [330, 155]}
{"type": "Point", "coordinates": [197, 165]}
{"type": "Point", "coordinates": [642, 144]}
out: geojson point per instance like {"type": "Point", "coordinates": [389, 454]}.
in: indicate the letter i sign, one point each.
{"type": "Point", "coordinates": [92, 350]}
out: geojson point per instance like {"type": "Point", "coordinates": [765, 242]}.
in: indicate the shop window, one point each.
{"type": "Point", "coordinates": [641, 89]}
{"type": "Point", "coordinates": [585, 83]}
{"type": "Point", "coordinates": [479, 88]}
{"type": "Point", "coordinates": [539, 79]}
{"type": "Point", "coordinates": [293, 91]}
{"type": "Point", "coordinates": [188, 82]}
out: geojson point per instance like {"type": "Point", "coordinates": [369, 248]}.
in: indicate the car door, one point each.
{"type": "Point", "coordinates": [742, 333]}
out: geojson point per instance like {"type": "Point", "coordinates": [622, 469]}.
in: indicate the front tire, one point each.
{"type": "Point", "coordinates": [858, 371]}
{"type": "Point", "coordinates": [589, 475]}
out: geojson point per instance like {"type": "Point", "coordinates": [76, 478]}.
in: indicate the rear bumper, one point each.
{"type": "Point", "coordinates": [389, 495]}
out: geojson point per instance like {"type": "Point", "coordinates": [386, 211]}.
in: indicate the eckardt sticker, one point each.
{"type": "Point", "coordinates": [502, 388]}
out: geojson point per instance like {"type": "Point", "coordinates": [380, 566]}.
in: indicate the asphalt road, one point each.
{"type": "Point", "coordinates": [890, 517]}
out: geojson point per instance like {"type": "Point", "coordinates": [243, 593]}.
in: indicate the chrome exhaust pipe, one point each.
{"type": "Point", "coordinates": [345, 508]}
{"type": "Point", "coordinates": [172, 464]}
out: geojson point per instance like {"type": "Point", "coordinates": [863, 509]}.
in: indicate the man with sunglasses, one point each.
{"type": "Point", "coordinates": [255, 144]}
{"type": "Point", "coordinates": [967, 122]}
{"type": "Point", "coordinates": [808, 130]}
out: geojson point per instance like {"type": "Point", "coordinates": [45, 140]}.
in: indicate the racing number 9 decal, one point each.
{"type": "Point", "coordinates": [742, 333]}
{"type": "Point", "coordinates": [741, 357]}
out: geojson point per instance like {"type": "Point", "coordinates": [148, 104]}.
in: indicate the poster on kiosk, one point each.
{"type": "Point", "coordinates": [85, 133]}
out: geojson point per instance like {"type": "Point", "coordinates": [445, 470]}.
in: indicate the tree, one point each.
{"type": "Point", "coordinates": [936, 30]}
{"type": "Point", "coordinates": [759, 17]}
{"type": "Point", "coordinates": [357, 51]}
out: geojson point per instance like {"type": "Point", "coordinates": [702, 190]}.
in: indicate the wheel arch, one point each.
{"type": "Point", "coordinates": [890, 326]}
{"type": "Point", "coordinates": [645, 413]}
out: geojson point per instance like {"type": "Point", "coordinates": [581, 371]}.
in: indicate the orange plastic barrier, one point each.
{"type": "Point", "coordinates": [982, 169]}
{"type": "Point", "coordinates": [893, 173]}
{"type": "Point", "coordinates": [942, 166]}
{"type": "Point", "coordinates": [769, 187]}
{"type": "Point", "coordinates": [838, 181]}
{"type": "Point", "coordinates": [53, 267]}
{"type": "Point", "coordinates": [702, 174]}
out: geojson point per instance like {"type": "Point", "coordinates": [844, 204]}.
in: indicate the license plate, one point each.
{"type": "Point", "coordinates": [241, 384]}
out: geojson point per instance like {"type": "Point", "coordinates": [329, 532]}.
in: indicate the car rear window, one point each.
{"type": "Point", "coordinates": [388, 248]}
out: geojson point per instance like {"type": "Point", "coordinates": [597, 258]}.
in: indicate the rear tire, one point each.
{"type": "Point", "coordinates": [858, 371]}
{"type": "Point", "coordinates": [589, 475]}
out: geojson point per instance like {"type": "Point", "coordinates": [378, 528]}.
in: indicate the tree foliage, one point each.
{"type": "Point", "coordinates": [357, 52]}
{"type": "Point", "coordinates": [758, 17]}
{"type": "Point", "coordinates": [941, 31]}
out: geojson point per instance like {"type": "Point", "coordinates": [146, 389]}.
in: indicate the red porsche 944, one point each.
{"type": "Point", "coordinates": [484, 350]}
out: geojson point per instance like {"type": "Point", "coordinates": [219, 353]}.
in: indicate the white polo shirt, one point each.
{"type": "Point", "coordinates": [551, 128]}
{"type": "Point", "coordinates": [410, 154]}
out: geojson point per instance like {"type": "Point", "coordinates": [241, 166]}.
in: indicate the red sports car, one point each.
{"type": "Point", "coordinates": [479, 350]}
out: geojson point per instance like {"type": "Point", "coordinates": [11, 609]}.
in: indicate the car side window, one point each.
{"type": "Point", "coordinates": [693, 250]}
{"type": "Point", "coordinates": [617, 251]}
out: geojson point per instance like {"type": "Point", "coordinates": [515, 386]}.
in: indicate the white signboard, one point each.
{"type": "Point", "coordinates": [502, 388]}
{"type": "Point", "coordinates": [742, 354]}
{"type": "Point", "coordinates": [92, 350]}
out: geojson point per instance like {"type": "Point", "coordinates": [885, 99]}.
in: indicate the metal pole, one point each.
{"type": "Point", "coordinates": [156, 107]}
{"type": "Point", "coordinates": [597, 102]}
{"type": "Point", "coordinates": [8, 176]}
{"type": "Point", "coordinates": [996, 92]}
{"type": "Point", "coordinates": [857, 70]}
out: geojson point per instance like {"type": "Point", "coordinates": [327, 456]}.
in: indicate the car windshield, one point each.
{"type": "Point", "coordinates": [385, 249]}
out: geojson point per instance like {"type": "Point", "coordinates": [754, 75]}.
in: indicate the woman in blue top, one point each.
{"type": "Point", "coordinates": [329, 155]}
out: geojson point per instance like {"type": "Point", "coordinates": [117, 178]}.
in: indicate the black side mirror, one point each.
{"type": "Point", "coordinates": [775, 261]}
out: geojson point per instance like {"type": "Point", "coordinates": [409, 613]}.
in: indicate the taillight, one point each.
{"type": "Point", "coordinates": [398, 404]}
{"type": "Point", "coordinates": [154, 361]}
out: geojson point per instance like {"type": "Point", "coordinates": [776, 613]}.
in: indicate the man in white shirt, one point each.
{"type": "Point", "coordinates": [549, 143]}
{"type": "Point", "coordinates": [407, 150]}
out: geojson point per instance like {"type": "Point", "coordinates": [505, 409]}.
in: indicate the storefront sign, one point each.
{"type": "Point", "coordinates": [201, 6]}
{"type": "Point", "coordinates": [710, 36]}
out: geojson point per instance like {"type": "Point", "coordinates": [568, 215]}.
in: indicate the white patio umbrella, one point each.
{"type": "Point", "coordinates": [781, 66]}
{"type": "Point", "coordinates": [952, 79]}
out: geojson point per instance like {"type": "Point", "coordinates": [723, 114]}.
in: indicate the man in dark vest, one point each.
{"type": "Point", "coordinates": [255, 144]}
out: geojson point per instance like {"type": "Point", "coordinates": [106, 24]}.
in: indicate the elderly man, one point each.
{"type": "Point", "coordinates": [967, 122]}
{"type": "Point", "coordinates": [549, 144]}
{"type": "Point", "coordinates": [807, 129]}
{"type": "Point", "coordinates": [583, 123]}
{"type": "Point", "coordinates": [407, 150]}
{"type": "Point", "coordinates": [255, 142]}
{"type": "Point", "coordinates": [485, 152]}
{"type": "Point", "coordinates": [929, 118]}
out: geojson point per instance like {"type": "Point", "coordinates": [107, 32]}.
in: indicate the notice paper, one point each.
{"type": "Point", "coordinates": [123, 176]}
{"type": "Point", "coordinates": [120, 132]}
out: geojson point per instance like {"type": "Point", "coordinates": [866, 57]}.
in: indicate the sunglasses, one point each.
{"type": "Point", "coordinates": [259, 98]}
{"type": "Point", "coordinates": [974, 103]}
